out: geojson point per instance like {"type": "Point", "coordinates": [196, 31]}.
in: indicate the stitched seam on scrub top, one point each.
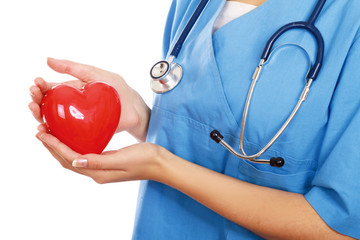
{"type": "Point", "coordinates": [193, 122]}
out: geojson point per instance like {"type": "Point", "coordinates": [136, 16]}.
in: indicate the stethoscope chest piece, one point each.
{"type": "Point", "coordinates": [165, 76]}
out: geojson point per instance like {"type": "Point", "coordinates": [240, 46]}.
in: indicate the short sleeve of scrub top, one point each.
{"type": "Point", "coordinates": [321, 146]}
{"type": "Point", "coordinates": [335, 192]}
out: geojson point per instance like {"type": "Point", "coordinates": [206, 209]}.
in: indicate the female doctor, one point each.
{"type": "Point", "coordinates": [196, 189]}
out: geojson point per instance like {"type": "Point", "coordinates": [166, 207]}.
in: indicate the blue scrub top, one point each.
{"type": "Point", "coordinates": [321, 146]}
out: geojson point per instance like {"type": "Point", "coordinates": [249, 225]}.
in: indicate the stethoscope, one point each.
{"type": "Point", "coordinates": [167, 74]}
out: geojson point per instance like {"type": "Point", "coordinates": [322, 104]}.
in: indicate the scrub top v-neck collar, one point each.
{"type": "Point", "coordinates": [258, 11]}
{"type": "Point", "coordinates": [240, 18]}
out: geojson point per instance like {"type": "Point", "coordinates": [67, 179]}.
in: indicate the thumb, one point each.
{"type": "Point", "coordinates": [82, 72]}
{"type": "Point", "coordinates": [107, 160]}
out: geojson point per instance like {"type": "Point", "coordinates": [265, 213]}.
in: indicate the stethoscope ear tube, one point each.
{"type": "Point", "coordinates": [315, 69]}
{"type": "Point", "coordinates": [274, 161]}
{"type": "Point", "coordinates": [308, 26]}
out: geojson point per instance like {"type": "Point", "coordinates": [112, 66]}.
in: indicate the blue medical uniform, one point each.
{"type": "Point", "coordinates": [321, 146]}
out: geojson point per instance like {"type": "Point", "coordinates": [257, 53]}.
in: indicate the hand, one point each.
{"type": "Point", "coordinates": [136, 162]}
{"type": "Point", "coordinates": [135, 114]}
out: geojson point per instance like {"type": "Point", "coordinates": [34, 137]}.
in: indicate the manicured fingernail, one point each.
{"type": "Point", "coordinates": [80, 163]}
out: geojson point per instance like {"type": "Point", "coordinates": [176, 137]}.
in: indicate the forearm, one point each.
{"type": "Point", "coordinates": [270, 213]}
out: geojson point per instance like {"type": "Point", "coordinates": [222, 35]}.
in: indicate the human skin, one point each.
{"type": "Point", "coordinates": [134, 112]}
{"type": "Point", "coordinates": [252, 2]}
{"type": "Point", "coordinates": [292, 217]}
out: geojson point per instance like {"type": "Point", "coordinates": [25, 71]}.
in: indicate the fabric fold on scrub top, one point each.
{"type": "Point", "coordinates": [320, 146]}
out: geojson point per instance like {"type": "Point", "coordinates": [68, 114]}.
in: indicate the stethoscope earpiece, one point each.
{"type": "Point", "coordinates": [274, 161]}
{"type": "Point", "coordinates": [277, 162]}
{"type": "Point", "coordinates": [216, 136]}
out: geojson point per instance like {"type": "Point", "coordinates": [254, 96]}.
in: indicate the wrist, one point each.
{"type": "Point", "coordinates": [163, 161]}
{"type": "Point", "coordinates": [136, 121]}
{"type": "Point", "coordinates": [140, 129]}
{"type": "Point", "coordinates": [173, 170]}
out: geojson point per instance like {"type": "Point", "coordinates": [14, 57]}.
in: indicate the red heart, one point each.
{"type": "Point", "coordinates": [86, 119]}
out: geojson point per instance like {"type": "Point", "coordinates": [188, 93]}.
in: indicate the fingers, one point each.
{"type": "Point", "coordinates": [42, 128]}
{"type": "Point", "coordinates": [61, 149]}
{"type": "Point", "coordinates": [102, 168]}
{"type": "Point", "coordinates": [36, 111]}
{"type": "Point", "coordinates": [83, 72]}
{"type": "Point", "coordinates": [62, 161]}
{"type": "Point", "coordinates": [43, 85]}
{"type": "Point", "coordinates": [36, 94]}
{"type": "Point", "coordinates": [106, 161]}
{"type": "Point", "coordinates": [65, 157]}
{"type": "Point", "coordinates": [58, 150]}
{"type": "Point", "coordinates": [38, 91]}
{"type": "Point", "coordinates": [75, 83]}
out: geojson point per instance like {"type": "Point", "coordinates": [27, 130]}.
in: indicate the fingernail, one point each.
{"type": "Point", "coordinates": [32, 93]}
{"type": "Point", "coordinates": [51, 58]}
{"type": "Point", "coordinates": [80, 163]}
{"type": "Point", "coordinates": [39, 136]}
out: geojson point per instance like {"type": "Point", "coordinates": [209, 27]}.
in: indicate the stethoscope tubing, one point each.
{"type": "Point", "coordinates": [166, 76]}
{"type": "Point", "coordinates": [193, 19]}
{"type": "Point", "coordinates": [314, 71]}
{"type": "Point", "coordinates": [311, 76]}
{"type": "Point", "coordinates": [310, 27]}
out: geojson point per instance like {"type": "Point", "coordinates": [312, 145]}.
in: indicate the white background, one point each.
{"type": "Point", "coordinates": [38, 198]}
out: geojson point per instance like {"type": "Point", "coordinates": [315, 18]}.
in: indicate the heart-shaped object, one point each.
{"type": "Point", "coordinates": [85, 119]}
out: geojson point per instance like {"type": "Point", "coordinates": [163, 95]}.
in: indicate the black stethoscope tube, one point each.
{"type": "Point", "coordinates": [178, 45]}
{"type": "Point", "coordinates": [309, 26]}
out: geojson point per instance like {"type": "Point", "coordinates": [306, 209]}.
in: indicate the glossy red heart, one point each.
{"type": "Point", "coordinates": [85, 119]}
